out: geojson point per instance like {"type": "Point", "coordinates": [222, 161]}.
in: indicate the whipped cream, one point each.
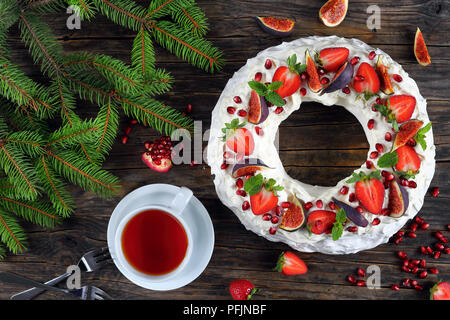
{"type": "Point", "coordinates": [364, 238]}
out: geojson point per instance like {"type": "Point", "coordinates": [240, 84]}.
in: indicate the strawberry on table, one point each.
{"type": "Point", "coordinates": [242, 289]}
{"type": "Point", "coordinates": [290, 264]}
{"type": "Point", "coordinates": [238, 138]}
{"type": "Point", "coordinates": [263, 194]}
{"type": "Point", "coordinates": [366, 80]}
{"type": "Point", "coordinates": [440, 291]}
{"type": "Point", "coordinates": [289, 76]}
{"type": "Point", "coordinates": [369, 190]}
{"type": "Point", "coordinates": [408, 160]}
{"type": "Point", "coordinates": [332, 58]}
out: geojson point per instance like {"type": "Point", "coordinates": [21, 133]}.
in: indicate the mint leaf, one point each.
{"type": "Point", "coordinates": [369, 95]}
{"type": "Point", "coordinates": [260, 88]}
{"type": "Point", "coordinates": [355, 178]}
{"type": "Point", "coordinates": [254, 184]}
{"type": "Point", "coordinates": [300, 68]}
{"type": "Point", "coordinates": [275, 99]}
{"type": "Point", "coordinates": [338, 228]}
{"type": "Point", "coordinates": [420, 136]}
{"type": "Point", "coordinates": [424, 129]}
{"type": "Point", "coordinates": [387, 160]}
{"type": "Point", "coordinates": [275, 85]}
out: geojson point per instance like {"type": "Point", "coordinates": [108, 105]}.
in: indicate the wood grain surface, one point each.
{"type": "Point", "coordinates": [318, 145]}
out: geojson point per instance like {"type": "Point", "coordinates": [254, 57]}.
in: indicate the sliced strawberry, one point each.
{"type": "Point", "coordinates": [237, 138]}
{"type": "Point", "coordinates": [321, 221]}
{"type": "Point", "coordinates": [332, 58]}
{"type": "Point", "coordinates": [408, 160]}
{"type": "Point", "coordinates": [369, 190]}
{"type": "Point", "coordinates": [401, 106]}
{"type": "Point", "coordinates": [440, 291]}
{"type": "Point", "coordinates": [242, 289]}
{"type": "Point", "coordinates": [370, 83]}
{"type": "Point", "coordinates": [290, 264]}
{"type": "Point", "coordinates": [290, 76]}
{"type": "Point", "coordinates": [264, 201]}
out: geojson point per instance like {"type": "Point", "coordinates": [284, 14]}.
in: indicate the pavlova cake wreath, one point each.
{"type": "Point", "coordinates": [361, 211]}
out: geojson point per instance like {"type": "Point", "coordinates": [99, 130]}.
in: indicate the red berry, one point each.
{"type": "Point", "coordinates": [429, 250]}
{"type": "Point", "coordinates": [319, 204]}
{"type": "Point", "coordinates": [419, 220]}
{"type": "Point", "coordinates": [266, 216]}
{"type": "Point", "coordinates": [398, 240]}
{"type": "Point", "coordinates": [412, 184]}
{"type": "Point", "coordinates": [361, 272]}
{"type": "Point", "coordinates": [308, 206]}
{"type": "Point", "coordinates": [127, 130]}
{"type": "Point", "coordinates": [413, 226]}
{"type": "Point", "coordinates": [352, 197]}
{"type": "Point", "coordinates": [258, 76]}
{"type": "Point", "coordinates": [303, 76]}
{"type": "Point", "coordinates": [224, 166]}
{"type": "Point", "coordinates": [406, 282]}
{"type": "Point", "coordinates": [231, 110]}
{"type": "Point", "coordinates": [241, 193]}
{"type": "Point", "coordinates": [324, 80]}
{"type": "Point", "coordinates": [285, 204]}
{"type": "Point", "coordinates": [411, 235]}
{"type": "Point", "coordinates": [423, 250]}
{"type": "Point", "coordinates": [433, 270]}
{"type": "Point", "coordinates": [237, 99]}
{"type": "Point", "coordinates": [448, 227]}
{"type": "Point", "coordinates": [354, 60]}
{"type": "Point", "coordinates": [438, 234]}
{"type": "Point", "coordinates": [370, 124]}
{"type": "Point", "coordinates": [406, 269]}
{"type": "Point", "coordinates": [372, 55]}
{"type": "Point", "coordinates": [423, 274]}
{"type": "Point", "coordinates": [346, 90]}
{"type": "Point", "coordinates": [401, 254]}
{"type": "Point", "coordinates": [133, 122]}
{"type": "Point", "coordinates": [332, 205]}
{"type": "Point", "coordinates": [279, 110]}
{"type": "Point", "coordinates": [373, 155]}
{"type": "Point", "coordinates": [268, 64]}
{"type": "Point", "coordinates": [351, 279]}
{"type": "Point", "coordinates": [397, 77]}
{"type": "Point", "coordinates": [344, 190]}
{"type": "Point", "coordinates": [424, 226]}
{"type": "Point", "coordinates": [439, 246]}
{"type": "Point", "coordinates": [400, 234]}
{"type": "Point", "coordinates": [435, 192]}
{"type": "Point", "coordinates": [376, 221]}
{"type": "Point", "coordinates": [414, 283]}
{"type": "Point", "coordinates": [192, 163]}
{"type": "Point", "coordinates": [360, 283]}
{"type": "Point", "coordinates": [275, 219]}
{"type": "Point", "coordinates": [272, 230]}
{"type": "Point", "coordinates": [245, 205]}
{"type": "Point", "coordinates": [352, 229]}
{"type": "Point", "coordinates": [321, 71]}
{"type": "Point", "coordinates": [423, 263]}
{"type": "Point", "coordinates": [404, 182]}
{"type": "Point", "coordinates": [437, 255]}
{"type": "Point", "coordinates": [124, 139]}
{"type": "Point", "coordinates": [414, 270]}
{"type": "Point", "coordinates": [369, 164]}
{"type": "Point", "coordinates": [359, 209]}
{"type": "Point", "coordinates": [259, 131]}
{"type": "Point", "coordinates": [388, 136]}
{"type": "Point", "coordinates": [395, 287]}
{"type": "Point", "coordinates": [189, 108]}
{"type": "Point", "coordinates": [379, 147]}
{"type": "Point", "coordinates": [418, 288]}
{"type": "Point", "coordinates": [240, 183]}
{"type": "Point", "coordinates": [302, 92]}
{"type": "Point", "coordinates": [242, 113]}
{"type": "Point", "coordinates": [147, 145]}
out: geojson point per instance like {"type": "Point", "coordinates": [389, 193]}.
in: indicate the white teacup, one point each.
{"type": "Point", "coordinates": [175, 209]}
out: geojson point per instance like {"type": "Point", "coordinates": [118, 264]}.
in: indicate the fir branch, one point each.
{"type": "Point", "coordinates": [37, 212]}
{"type": "Point", "coordinates": [45, 6]}
{"type": "Point", "coordinates": [59, 90]}
{"type": "Point", "coordinates": [108, 122]}
{"type": "Point", "coordinates": [73, 134]}
{"type": "Point", "coordinates": [2, 252]}
{"type": "Point", "coordinates": [11, 233]}
{"type": "Point", "coordinates": [21, 119]}
{"type": "Point", "coordinates": [161, 8]}
{"type": "Point", "coordinates": [197, 51]}
{"type": "Point", "coordinates": [79, 171]}
{"type": "Point", "coordinates": [4, 130]}
{"type": "Point", "coordinates": [86, 8]}
{"type": "Point", "coordinates": [158, 82]}
{"type": "Point", "coordinates": [143, 53]}
{"type": "Point", "coordinates": [28, 142]}
{"type": "Point", "coordinates": [123, 12]}
{"type": "Point", "coordinates": [191, 19]}
{"type": "Point", "coordinates": [7, 189]}
{"type": "Point", "coordinates": [9, 13]}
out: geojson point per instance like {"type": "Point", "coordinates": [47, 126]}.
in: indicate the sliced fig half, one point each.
{"type": "Point", "coordinates": [333, 12]}
{"type": "Point", "coordinates": [406, 132]}
{"type": "Point", "coordinates": [313, 75]}
{"type": "Point", "coordinates": [248, 166]}
{"type": "Point", "coordinates": [294, 216]}
{"type": "Point", "coordinates": [398, 199]}
{"type": "Point", "coordinates": [385, 79]}
{"type": "Point", "coordinates": [280, 27]}
{"type": "Point", "coordinates": [257, 108]}
{"type": "Point", "coordinates": [352, 214]}
{"type": "Point", "coordinates": [420, 49]}
{"type": "Point", "coordinates": [341, 79]}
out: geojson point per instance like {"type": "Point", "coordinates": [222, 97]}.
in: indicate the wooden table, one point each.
{"type": "Point", "coordinates": [338, 147]}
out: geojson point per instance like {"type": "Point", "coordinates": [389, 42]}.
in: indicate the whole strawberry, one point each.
{"type": "Point", "coordinates": [290, 264]}
{"type": "Point", "coordinates": [440, 291]}
{"type": "Point", "coordinates": [242, 289]}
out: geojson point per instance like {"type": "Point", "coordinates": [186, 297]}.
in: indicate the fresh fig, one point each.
{"type": "Point", "coordinates": [313, 75]}
{"type": "Point", "coordinates": [420, 49]}
{"type": "Point", "coordinates": [248, 166]}
{"type": "Point", "coordinates": [294, 216]}
{"type": "Point", "coordinates": [333, 12]}
{"type": "Point", "coordinates": [257, 109]}
{"type": "Point", "coordinates": [385, 79]}
{"type": "Point", "coordinates": [406, 132]}
{"type": "Point", "coordinates": [341, 79]}
{"type": "Point", "coordinates": [280, 27]}
{"type": "Point", "coordinates": [352, 214]}
{"type": "Point", "coordinates": [164, 166]}
{"type": "Point", "coordinates": [398, 199]}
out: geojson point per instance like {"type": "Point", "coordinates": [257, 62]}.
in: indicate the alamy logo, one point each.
{"type": "Point", "coordinates": [74, 20]}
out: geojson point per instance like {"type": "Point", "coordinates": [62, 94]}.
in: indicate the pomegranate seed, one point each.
{"type": "Point", "coordinates": [237, 99]}
{"type": "Point", "coordinates": [437, 255]}
{"type": "Point", "coordinates": [372, 55]}
{"type": "Point", "coordinates": [189, 108]}
{"type": "Point", "coordinates": [361, 272]}
{"type": "Point", "coordinates": [433, 270]}
{"type": "Point", "coordinates": [124, 139]}
{"type": "Point", "coordinates": [278, 210]}
{"type": "Point", "coordinates": [398, 240]}
{"type": "Point", "coordinates": [413, 226]}
{"type": "Point", "coordinates": [415, 262]}
{"type": "Point", "coordinates": [258, 76]}
{"type": "Point", "coordinates": [411, 235]}
{"type": "Point", "coordinates": [359, 77]}
{"type": "Point", "coordinates": [412, 184]}
{"type": "Point", "coordinates": [406, 282]}
{"type": "Point", "coordinates": [402, 254]}
{"type": "Point", "coordinates": [147, 145]}
{"type": "Point", "coordinates": [324, 80]}
{"type": "Point", "coordinates": [241, 193]}
{"type": "Point", "coordinates": [424, 226]}
{"type": "Point", "coordinates": [423, 263]}
{"type": "Point", "coordinates": [404, 182]}
{"type": "Point", "coordinates": [275, 219]}
{"type": "Point", "coordinates": [351, 279]}
{"type": "Point", "coordinates": [303, 76]}
{"type": "Point", "coordinates": [133, 122]}
{"type": "Point", "coordinates": [439, 246]}
{"type": "Point", "coordinates": [373, 155]}
{"type": "Point", "coordinates": [319, 204]}
{"type": "Point", "coordinates": [443, 240]}
{"type": "Point", "coordinates": [388, 136]}
{"type": "Point", "coordinates": [360, 283]}
{"type": "Point", "coordinates": [384, 173]}
{"type": "Point", "coordinates": [376, 221]}
{"type": "Point", "coordinates": [242, 113]}
{"type": "Point", "coordinates": [302, 92]}
{"type": "Point", "coordinates": [379, 147]}
{"type": "Point", "coordinates": [438, 234]}
{"type": "Point", "coordinates": [240, 183]}
{"type": "Point", "coordinates": [370, 124]}
{"type": "Point", "coordinates": [435, 192]}
{"type": "Point", "coordinates": [423, 274]}
{"type": "Point", "coordinates": [405, 262]}
{"type": "Point", "coordinates": [346, 90]}
{"type": "Point", "coordinates": [359, 209]}
{"type": "Point", "coordinates": [354, 60]}
{"type": "Point", "coordinates": [448, 227]}
{"type": "Point", "coordinates": [231, 110]}
{"type": "Point", "coordinates": [414, 270]}
{"type": "Point", "coordinates": [344, 190]}
{"type": "Point", "coordinates": [395, 287]}
{"type": "Point", "coordinates": [192, 163]}
{"type": "Point", "coordinates": [429, 250]}
{"type": "Point", "coordinates": [279, 110]}
{"type": "Point", "coordinates": [400, 234]}
{"type": "Point", "coordinates": [447, 250]}
{"type": "Point", "coordinates": [406, 269]}
{"type": "Point", "coordinates": [272, 230]}
{"type": "Point", "coordinates": [352, 229]}
{"type": "Point", "coordinates": [423, 250]}
{"type": "Point", "coordinates": [308, 206]}
{"type": "Point", "coordinates": [369, 164]}
{"type": "Point", "coordinates": [332, 205]}
{"type": "Point", "coordinates": [245, 205]}
{"type": "Point", "coordinates": [267, 216]}
{"type": "Point", "coordinates": [268, 64]}
{"type": "Point", "coordinates": [285, 204]}
{"type": "Point", "coordinates": [127, 130]}
{"type": "Point", "coordinates": [259, 131]}
{"type": "Point", "coordinates": [352, 197]}
{"type": "Point", "coordinates": [414, 283]}
{"type": "Point", "coordinates": [397, 77]}
{"type": "Point", "coordinates": [224, 166]}
{"type": "Point", "coordinates": [321, 71]}
{"type": "Point", "coordinates": [418, 288]}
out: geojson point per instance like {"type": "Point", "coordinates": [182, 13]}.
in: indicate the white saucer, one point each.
{"type": "Point", "coordinates": [195, 215]}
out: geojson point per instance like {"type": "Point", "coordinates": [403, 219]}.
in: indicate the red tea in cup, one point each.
{"type": "Point", "coordinates": [154, 242]}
